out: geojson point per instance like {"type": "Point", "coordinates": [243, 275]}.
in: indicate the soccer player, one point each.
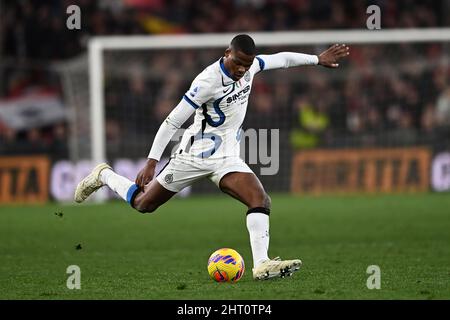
{"type": "Point", "coordinates": [210, 146]}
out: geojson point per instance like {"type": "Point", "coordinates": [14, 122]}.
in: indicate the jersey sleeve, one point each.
{"type": "Point", "coordinates": [170, 125]}
{"type": "Point", "coordinates": [199, 92]}
{"type": "Point", "coordinates": [285, 60]}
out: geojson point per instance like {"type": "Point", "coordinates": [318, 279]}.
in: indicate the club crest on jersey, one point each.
{"type": "Point", "coordinates": [168, 178]}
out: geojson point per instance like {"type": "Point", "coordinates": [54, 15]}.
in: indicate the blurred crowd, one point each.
{"type": "Point", "coordinates": [37, 29]}
{"type": "Point", "coordinates": [368, 103]}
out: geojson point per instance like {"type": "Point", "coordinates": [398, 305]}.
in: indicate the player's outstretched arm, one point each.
{"type": "Point", "coordinates": [330, 57]}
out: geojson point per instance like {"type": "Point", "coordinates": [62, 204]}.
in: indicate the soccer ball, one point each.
{"type": "Point", "coordinates": [226, 265]}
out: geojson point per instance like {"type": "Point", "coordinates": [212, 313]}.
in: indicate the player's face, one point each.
{"type": "Point", "coordinates": [237, 63]}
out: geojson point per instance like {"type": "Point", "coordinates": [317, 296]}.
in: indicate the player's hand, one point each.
{"type": "Point", "coordinates": [146, 174]}
{"type": "Point", "coordinates": [329, 58]}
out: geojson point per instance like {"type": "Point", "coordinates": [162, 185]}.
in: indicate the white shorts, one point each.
{"type": "Point", "coordinates": [183, 171]}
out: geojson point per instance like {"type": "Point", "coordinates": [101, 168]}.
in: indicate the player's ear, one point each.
{"type": "Point", "coordinates": [227, 52]}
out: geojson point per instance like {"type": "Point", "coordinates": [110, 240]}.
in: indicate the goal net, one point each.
{"type": "Point", "coordinates": [392, 93]}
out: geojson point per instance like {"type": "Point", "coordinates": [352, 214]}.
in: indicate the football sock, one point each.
{"type": "Point", "coordinates": [258, 229]}
{"type": "Point", "coordinates": [120, 185]}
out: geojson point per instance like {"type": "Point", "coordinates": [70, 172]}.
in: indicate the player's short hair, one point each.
{"type": "Point", "coordinates": [244, 43]}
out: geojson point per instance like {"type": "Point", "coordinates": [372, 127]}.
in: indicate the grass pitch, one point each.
{"type": "Point", "coordinates": [123, 254]}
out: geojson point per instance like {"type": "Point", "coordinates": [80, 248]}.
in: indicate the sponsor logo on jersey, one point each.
{"type": "Point", "coordinates": [236, 96]}
{"type": "Point", "coordinates": [247, 76]}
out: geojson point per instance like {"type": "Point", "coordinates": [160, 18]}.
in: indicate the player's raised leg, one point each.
{"type": "Point", "coordinates": [146, 199]}
{"type": "Point", "coordinates": [91, 183]}
{"type": "Point", "coordinates": [153, 196]}
{"type": "Point", "coordinates": [247, 188]}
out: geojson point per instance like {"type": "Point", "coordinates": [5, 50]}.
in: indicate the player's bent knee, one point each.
{"type": "Point", "coordinates": [267, 201]}
{"type": "Point", "coordinates": [144, 206]}
{"type": "Point", "coordinates": [262, 200]}
{"type": "Point", "coordinates": [147, 209]}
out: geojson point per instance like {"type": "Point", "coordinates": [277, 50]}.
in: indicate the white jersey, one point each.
{"type": "Point", "coordinates": [221, 105]}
